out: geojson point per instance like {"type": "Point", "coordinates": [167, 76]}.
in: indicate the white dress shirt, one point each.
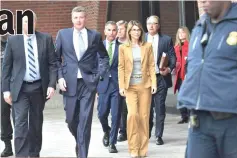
{"type": "Point", "coordinates": [76, 45]}
{"type": "Point", "coordinates": [155, 42]}
{"type": "Point", "coordinates": [35, 50]}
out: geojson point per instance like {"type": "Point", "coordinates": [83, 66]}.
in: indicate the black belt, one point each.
{"type": "Point", "coordinates": [79, 79]}
{"type": "Point", "coordinates": [216, 115]}
{"type": "Point", "coordinates": [31, 82]}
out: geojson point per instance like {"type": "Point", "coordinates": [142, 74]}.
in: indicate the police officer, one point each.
{"type": "Point", "coordinates": [6, 127]}
{"type": "Point", "coordinates": [209, 88]}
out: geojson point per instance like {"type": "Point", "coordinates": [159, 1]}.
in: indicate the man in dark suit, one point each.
{"type": "Point", "coordinates": [6, 126]}
{"type": "Point", "coordinates": [78, 75]}
{"type": "Point", "coordinates": [29, 79]}
{"type": "Point", "coordinates": [108, 91]}
{"type": "Point", "coordinates": [121, 37]}
{"type": "Point", "coordinates": [160, 43]}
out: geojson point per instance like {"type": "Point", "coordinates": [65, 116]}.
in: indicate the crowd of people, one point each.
{"type": "Point", "coordinates": [124, 71]}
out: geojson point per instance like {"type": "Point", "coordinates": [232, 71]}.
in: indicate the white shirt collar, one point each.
{"type": "Point", "coordinates": [107, 42]}
{"type": "Point", "coordinates": [155, 36]}
{"type": "Point", "coordinates": [27, 37]}
{"type": "Point", "coordinates": [83, 31]}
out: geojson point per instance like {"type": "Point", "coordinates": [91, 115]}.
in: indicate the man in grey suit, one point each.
{"type": "Point", "coordinates": [28, 79]}
{"type": "Point", "coordinates": [78, 74]}
{"type": "Point", "coordinates": [161, 43]}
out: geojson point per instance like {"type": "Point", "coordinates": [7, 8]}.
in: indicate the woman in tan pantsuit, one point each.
{"type": "Point", "coordinates": [137, 81]}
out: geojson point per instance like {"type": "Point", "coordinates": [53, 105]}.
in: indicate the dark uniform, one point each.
{"type": "Point", "coordinates": [209, 89]}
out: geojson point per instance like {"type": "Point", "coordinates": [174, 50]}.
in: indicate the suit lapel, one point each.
{"type": "Point", "coordinates": [142, 52]}
{"type": "Point", "coordinates": [159, 47]}
{"type": "Point", "coordinates": [146, 37]}
{"type": "Point", "coordinates": [40, 45]}
{"type": "Point", "coordinates": [22, 49]}
{"type": "Point", "coordinates": [104, 42]}
{"type": "Point", "coordinates": [71, 42]}
{"type": "Point", "coordinates": [115, 52]}
{"type": "Point", "coordinates": [90, 37]}
{"type": "Point", "coordinates": [129, 53]}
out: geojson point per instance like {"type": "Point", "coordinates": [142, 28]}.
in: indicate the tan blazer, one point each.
{"type": "Point", "coordinates": [125, 66]}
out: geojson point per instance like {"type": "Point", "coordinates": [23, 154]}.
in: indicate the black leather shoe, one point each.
{"type": "Point", "coordinates": [112, 148]}
{"type": "Point", "coordinates": [105, 139]}
{"type": "Point", "coordinates": [183, 121]}
{"type": "Point", "coordinates": [122, 137]}
{"type": "Point", "coordinates": [8, 150]}
{"type": "Point", "coordinates": [159, 141]}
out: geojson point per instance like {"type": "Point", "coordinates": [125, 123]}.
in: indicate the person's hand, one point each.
{"type": "Point", "coordinates": [122, 92]}
{"type": "Point", "coordinates": [165, 71]}
{"type": "Point", "coordinates": [62, 84]}
{"type": "Point", "coordinates": [7, 97]}
{"type": "Point", "coordinates": [178, 65]}
{"type": "Point", "coordinates": [153, 90]}
{"type": "Point", "coordinates": [50, 92]}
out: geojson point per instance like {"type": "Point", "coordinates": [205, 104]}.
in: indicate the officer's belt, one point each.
{"type": "Point", "coordinates": [221, 115]}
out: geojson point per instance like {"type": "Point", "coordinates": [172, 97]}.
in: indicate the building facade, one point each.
{"type": "Point", "coordinates": [54, 15]}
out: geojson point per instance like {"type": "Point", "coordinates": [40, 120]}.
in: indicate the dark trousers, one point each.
{"type": "Point", "coordinates": [28, 116]}
{"type": "Point", "coordinates": [6, 126]}
{"type": "Point", "coordinates": [213, 138]}
{"type": "Point", "coordinates": [183, 111]}
{"type": "Point", "coordinates": [106, 102]}
{"type": "Point", "coordinates": [123, 120]}
{"type": "Point", "coordinates": [158, 102]}
{"type": "Point", "coordinates": [79, 111]}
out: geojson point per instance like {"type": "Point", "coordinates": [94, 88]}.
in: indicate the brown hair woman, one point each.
{"type": "Point", "coordinates": [137, 81]}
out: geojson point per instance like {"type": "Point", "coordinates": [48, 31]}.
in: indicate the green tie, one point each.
{"type": "Point", "coordinates": [110, 53]}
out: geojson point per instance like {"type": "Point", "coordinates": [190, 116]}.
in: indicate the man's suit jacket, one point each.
{"type": "Point", "coordinates": [88, 64]}
{"type": "Point", "coordinates": [113, 71]}
{"type": "Point", "coordinates": [14, 63]}
{"type": "Point", "coordinates": [166, 45]}
{"type": "Point", "coordinates": [125, 66]}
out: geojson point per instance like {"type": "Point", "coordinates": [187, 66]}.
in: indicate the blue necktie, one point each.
{"type": "Point", "coordinates": [31, 60]}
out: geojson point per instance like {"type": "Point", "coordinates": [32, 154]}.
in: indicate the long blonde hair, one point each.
{"type": "Point", "coordinates": [129, 28]}
{"type": "Point", "coordinates": [185, 29]}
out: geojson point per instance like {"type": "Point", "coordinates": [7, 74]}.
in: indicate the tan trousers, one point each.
{"type": "Point", "coordinates": [138, 101]}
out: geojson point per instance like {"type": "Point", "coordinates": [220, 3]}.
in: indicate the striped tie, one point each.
{"type": "Point", "coordinates": [31, 60]}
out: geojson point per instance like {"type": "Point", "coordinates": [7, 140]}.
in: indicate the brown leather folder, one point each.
{"type": "Point", "coordinates": [163, 61]}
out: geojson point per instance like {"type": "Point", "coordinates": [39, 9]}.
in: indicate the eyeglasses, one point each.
{"type": "Point", "coordinates": [152, 23]}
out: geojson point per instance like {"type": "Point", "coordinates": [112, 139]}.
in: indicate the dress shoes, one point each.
{"type": "Point", "coordinates": [112, 148]}
{"type": "Point", "coordinates": [159, 141]}
{"type": "Point", "coordinates": [7, 150]}
{"type": "Point", "coordinates": [182, 121]}
{"type": "Point", "coordinates": [105, 139]}
{"type": "Point", "coordinates": [122, 137]}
